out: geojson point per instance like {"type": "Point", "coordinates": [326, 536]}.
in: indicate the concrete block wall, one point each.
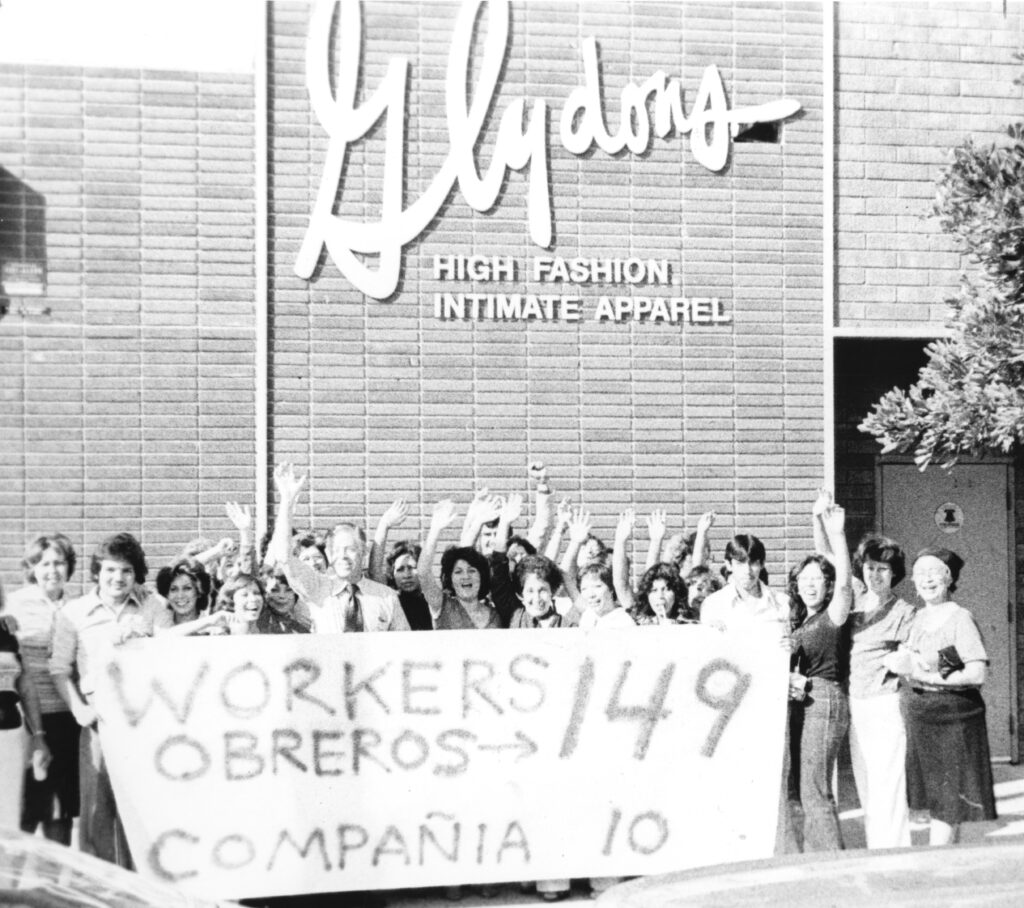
{"type": "Point", "coordinates": [912, 81]}
{"type": "Point", "coordinates": [381, 399]}
{"type": "Point", "coordinates": [131, 405]}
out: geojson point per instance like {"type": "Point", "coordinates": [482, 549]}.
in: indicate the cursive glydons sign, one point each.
{"type": "Point", "coordinates": [521, 140]}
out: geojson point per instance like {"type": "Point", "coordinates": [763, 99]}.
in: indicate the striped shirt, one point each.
{"type": "Point", "coordinates": [35, 613]}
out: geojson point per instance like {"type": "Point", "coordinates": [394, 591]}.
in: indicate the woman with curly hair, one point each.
{"type": "Point", "coordinates": [461, 600]}
{"type": "Point", "coordinates": [661, 598]}
{"type": "Point", "coordinates": [820, 596]}
{"type": "Point", "coordinates": [186, 587]}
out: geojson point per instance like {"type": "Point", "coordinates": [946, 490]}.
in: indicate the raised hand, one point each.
{"type": "Point", "coordinates": [579, 526]}
{"type": "Point", "coordinates": [657, 523]}
{"type": "Point", "coordinates": [396, 512]}
{"type": "Point", "coordinates": [624, 528]}
{"type": "Point", "coordinates": [289, 484]}
{"type": "Point", "coordinates": [705, 522]}
{"type": "Point", "coordinates": [240, 517]}
{"type": "Point", "coordinates": [834, 518]}
{"type": "Point", "coordinates": [564, 513]}
{"type": "Point", "coordinates": [511, 508]}
{"type": "Point", "coordinates": [444, 515]}
{"type": "Point", "coordinates": [822, 502]}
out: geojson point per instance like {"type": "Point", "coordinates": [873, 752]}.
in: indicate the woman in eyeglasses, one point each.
{"type": "Point", "coordinates": [943, 666]}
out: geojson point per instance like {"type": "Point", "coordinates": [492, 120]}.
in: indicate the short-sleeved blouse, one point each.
{"type": "Point", "coordinates": [453, 617]}
{"type": "Point", "coordinates": [959, 630]}
{"type": "Point", "coordinates": [873, 634]}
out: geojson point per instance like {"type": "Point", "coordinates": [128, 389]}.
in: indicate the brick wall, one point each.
{"type": "Point", "coordinates": [912, 80]}
{"type": "Point", "coordinates": [380, 399]}
{"type": "Point", "coordinates": [129, 407]}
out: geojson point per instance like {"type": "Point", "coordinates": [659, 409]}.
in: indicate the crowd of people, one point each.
{"type": "Point", "coordinates": [901, 680]}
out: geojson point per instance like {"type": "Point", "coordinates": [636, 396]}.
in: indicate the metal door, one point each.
{"type": "Point", "coordinates": [966, 509]}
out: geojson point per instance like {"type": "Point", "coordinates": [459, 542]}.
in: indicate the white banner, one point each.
{"type": "Point", "coordinates": [260, 766]}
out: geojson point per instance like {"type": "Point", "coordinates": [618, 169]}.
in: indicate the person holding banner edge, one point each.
{"type": "Point", "coordinates": [117, 609]}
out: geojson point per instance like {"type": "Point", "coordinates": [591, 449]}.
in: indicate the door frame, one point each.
{"type": "Point", "coordinates": [1007, 463]}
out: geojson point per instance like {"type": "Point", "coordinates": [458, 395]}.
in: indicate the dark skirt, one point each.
{"type": "Point", "coordinates": [56, 796]}
{"type": "Point", "coordinates": [949, 772]}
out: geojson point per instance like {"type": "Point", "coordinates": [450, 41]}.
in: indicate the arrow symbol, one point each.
{"type": "Point", "coordinates": [523, 743]}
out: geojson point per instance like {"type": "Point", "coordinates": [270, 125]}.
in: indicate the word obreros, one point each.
{"type": "Point", "coordinates": [521, 141]}
{"type": "Point", "coordinates": [285, 765]}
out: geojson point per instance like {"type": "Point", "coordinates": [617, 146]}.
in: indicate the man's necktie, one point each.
{"type": "Point", "coordinates": [353, 610]}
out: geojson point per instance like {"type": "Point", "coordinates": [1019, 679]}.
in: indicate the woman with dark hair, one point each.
{"type": "Point", "coordinates": [398, 568]}
{"type": "Point", "coordinates": [48, 563]}
{"type": "Point", "coordinates": [661, 598]}
{"type": "Point", "coordinates": [523, 592]}
{"type": "Point", "coordinates": [878, 623]}
{"type": "Point", "coordinates": [820, 596]}
{"type": "Point", "coordinates": [400, 574]}
{"type": "Point", "coordinates": [943, 665]}
{"type": "Point", "coordinates": [460, 600]}
{"type": "Point", "coordinates": [242, 599]}
{"type": "Point", "coordinates": [598, 601]}
{"type": "Point", "coordinates": [186, 587]}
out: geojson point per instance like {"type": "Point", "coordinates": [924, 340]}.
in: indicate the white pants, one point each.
{"type": "Point", "coordinates": [12, 770]}
{"type": "Point", "coordinates": [878, 750]}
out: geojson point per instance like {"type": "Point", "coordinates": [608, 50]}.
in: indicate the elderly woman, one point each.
{"type": "Point", "coordinates": [943, 666]}
{"type": "Point", "coordinates": [52, 802]}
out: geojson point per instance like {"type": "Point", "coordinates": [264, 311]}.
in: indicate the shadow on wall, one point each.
{"type": "Point", "coordinates": [22, 240]}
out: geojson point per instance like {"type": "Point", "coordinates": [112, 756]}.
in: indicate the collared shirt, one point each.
{"type": "Point", "coordinates": [326, 594]}
{"type": "Point", "coordinates": [35, 612]}
{"type": "Point", "coordinates": [728, 611]}
{"type": "Point", "coordinates": [86, 629]}
{"type": "Point", "coordinates": [617, 617]}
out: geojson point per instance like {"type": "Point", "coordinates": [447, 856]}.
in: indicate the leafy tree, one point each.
{"type": "Point", "coordinates": [969, 397]}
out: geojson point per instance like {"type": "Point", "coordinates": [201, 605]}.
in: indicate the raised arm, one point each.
{"type": "Point", "coordinates": [542, 505]}
{"type": "Point", "coordinates": [656, 526]}
{"type": "Point", "coordinates": [700, 541]}
{"type": "Point", "coordinates": [620, 558]}
{"type": "Point", "coordinates": [396, 512]}
{"type": "Point", "coordinates": [482, 509]}
{"type": "Point", "coordinates": [241, 519]}
{"type": "Point", "coordinates": [443, 516]}
{"type": "Point", "coordinates": [289, 486]}
{"type": "Point", "coordinates": [834, 523]}
{"type": "Point", "coordinates": [579, 529]}
{"type": "Point", "coordinates": [201, 624]}
{"type": "Point", "coordinates": [562, 518]}
{"type": "Point", "coordinates": [502, 594]}
{"type": "Point", "coordinates": [822, 544]}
